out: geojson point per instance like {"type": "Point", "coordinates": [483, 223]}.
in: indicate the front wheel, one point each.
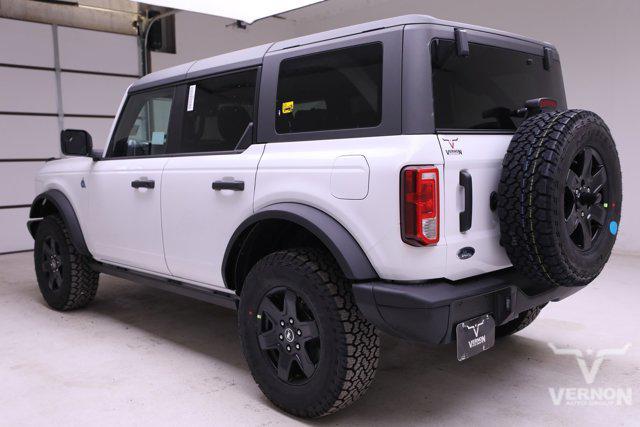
{"type": "Point", "coordinates": [65, 277]}
{"type": "Point", "coordinates": [308, 347]}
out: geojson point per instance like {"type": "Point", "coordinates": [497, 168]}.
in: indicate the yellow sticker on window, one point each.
{"type": "Point", "coordinates": [287, 107]}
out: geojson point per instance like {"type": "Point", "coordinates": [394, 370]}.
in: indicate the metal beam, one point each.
{"type": "Point", "coordinates": [114, 16]}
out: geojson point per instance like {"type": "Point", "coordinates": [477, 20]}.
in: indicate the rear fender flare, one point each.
{"type": "Point", "coordinates": [339, 242]}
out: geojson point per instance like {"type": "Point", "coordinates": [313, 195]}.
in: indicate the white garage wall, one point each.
{"type": "Point", "coordinates": [98, 128]}
{"type": "Point", "coordinates": [89, 50]}
{"type": "Point", "coordinates": [200, 36]}
{"type": "Point", "coordinates": [35, 37]}
{"type": "Point", "coordinates": [28, 137]}
{"type": "Point", "coordinates": [24, 91]}
{"type": "Point", "coordinates": [18, 182]}
{"type": "Point", "coordinates": [90, 94]}
{"type": "Point", "coordinates": [95, 69]}
{"type": "Point", "coordinates": [27, 91]}
{"type": "Point", "coordinates": [14, 235]}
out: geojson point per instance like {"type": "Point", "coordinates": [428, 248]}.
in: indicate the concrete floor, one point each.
{"type": "Point", "coordinates": [138, 356]}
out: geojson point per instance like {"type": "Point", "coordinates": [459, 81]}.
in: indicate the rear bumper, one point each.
{"type": "Point", "coordinates": [429, 312]}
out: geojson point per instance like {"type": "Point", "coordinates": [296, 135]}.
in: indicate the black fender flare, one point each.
{"type": "Point", "coordinates": [345, 249]}
{"type": "Point", "coordinates": [40, 208]}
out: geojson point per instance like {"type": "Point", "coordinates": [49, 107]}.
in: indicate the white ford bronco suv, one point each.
{"type": "Point", "coordinates": [410, 175]}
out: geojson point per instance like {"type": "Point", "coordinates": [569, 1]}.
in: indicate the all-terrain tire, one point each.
{"type": "Point", "coordinates": [523, 320]}
{"type": "Point", "coordinates": [348, 344]}
{"type": "Point", "coordinates": [555, 229]}
{"type": "Point", "coordinates": [74, 283]}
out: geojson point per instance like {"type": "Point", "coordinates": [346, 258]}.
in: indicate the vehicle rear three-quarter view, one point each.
{"type": "Point", "coordinates": [416, 176]}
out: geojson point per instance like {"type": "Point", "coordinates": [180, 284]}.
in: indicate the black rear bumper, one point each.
{"type": "Point", "coordinates": [429, 312]}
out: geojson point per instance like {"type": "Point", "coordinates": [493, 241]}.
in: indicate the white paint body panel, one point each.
{"type": "Point", "coordinates": [481, 156]}
{"type": "Point", "coordinates": [125, 223]}
{"type": "Point", "coordinates": [350, 178]}
{"type": "Point", "coordinates": [300, 172]}
{"type": "Point", "coordinates": [65, 175]}
{"type": "Point", "coordinates": [182, 227]}
{"type": "Point", "coordinates": [197, 221]}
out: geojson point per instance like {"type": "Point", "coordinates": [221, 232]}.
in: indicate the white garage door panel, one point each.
{"type": "Point", "coordinates": [92, 94]}
{"type": "Point", "coordinates": [30, 98]}
{"type": "Point", "coordinates": [29, 137]}
{"type": "Point", "coordinates": [89, 50]}
{"type": "Point", "coordinates": [21, 175]}
{"type": "Point", "coordinates": [97, 128]}
{"type": "Point", "coordinates": [13, 230]}
{"type": "Point", "coordinates": [31, 91]}
{"type": "Point", "coordinates": [26, 43]}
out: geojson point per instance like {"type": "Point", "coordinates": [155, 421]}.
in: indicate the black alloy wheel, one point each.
{"type": "Point", "coordinates": [585, 198]}
{"type": "Point", "coordinates": [52, 264]}
{"type": "Point", "coordinates": [560, 198]}
{"type": "Point", "coordinates": [65, 277]}
{"type": "Point", "coordinates": [309, 348]}
{"type": "Point", "coordinates": [288, 335]}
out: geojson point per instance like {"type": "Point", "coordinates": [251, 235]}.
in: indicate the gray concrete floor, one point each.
{"type": "Point", "coordinates": [138, 356]}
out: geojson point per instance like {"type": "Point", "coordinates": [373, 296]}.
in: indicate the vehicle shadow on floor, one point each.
{"type": "Point", "coordinates": [414, 381]}
{"type": "Point", "coordinates": [196, 325]}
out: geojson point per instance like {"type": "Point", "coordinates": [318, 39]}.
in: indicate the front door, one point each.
{"type": "Point", "coordinates": [208, 187]}
{"type": "Point", "coordinates": [125, 187]}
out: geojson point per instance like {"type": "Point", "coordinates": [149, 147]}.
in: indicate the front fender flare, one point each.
{"type": "Point", "coordinates": [347, 252]}
{"type": "Point", "coordinates": [56, 198]}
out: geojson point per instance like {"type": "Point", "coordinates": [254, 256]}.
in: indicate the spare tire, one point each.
{"type": "Point", "coordinates": [560, 197]}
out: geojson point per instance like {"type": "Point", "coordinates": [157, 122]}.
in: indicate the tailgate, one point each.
{"type": "Point", "coordinates": [472, 164]}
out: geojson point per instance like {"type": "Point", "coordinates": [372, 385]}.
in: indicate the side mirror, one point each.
{"type": "Point", "coordinates": [75, 142]}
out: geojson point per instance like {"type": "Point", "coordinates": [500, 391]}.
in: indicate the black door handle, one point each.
{"type": "Point", "coordinates": [228, 185]}
{"type": "Point", "coordinates": [143, 183]}
{"type": "Point", "coordinates": [467, 213]}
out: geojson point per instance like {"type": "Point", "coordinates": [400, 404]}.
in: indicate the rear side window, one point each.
{"type": "Point", "coordinates": [481, 91]}
{"type": "Point", "coordinates": [143, 125]}
{"type": "Point", "coordinates": [218, 111]}
{"type": "Point", "coordinates": [340, 89]}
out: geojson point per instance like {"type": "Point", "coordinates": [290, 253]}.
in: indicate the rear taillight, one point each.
{"type": "Point", "coordinates": [420, 205]}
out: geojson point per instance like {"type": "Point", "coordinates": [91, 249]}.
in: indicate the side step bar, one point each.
{"type": "Point", "coordinates": [224, 299]}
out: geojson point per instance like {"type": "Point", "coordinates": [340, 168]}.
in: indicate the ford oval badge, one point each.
{"type": "Point", "coordinates": [466, 252]}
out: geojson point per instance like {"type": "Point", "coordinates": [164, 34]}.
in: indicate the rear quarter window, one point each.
{"type": "Point", "coordinates": [482, 90]}
{"type": "Point", "coordinates": [339, 89]}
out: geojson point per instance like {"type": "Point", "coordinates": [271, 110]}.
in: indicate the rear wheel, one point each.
{"type": "Point", "coordinates": [308, 347]}
{"type": "Point", "coordinates": [65, 277]}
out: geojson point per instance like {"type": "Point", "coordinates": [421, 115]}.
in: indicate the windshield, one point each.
{"type": "Point", "coordinates": [481, 91]}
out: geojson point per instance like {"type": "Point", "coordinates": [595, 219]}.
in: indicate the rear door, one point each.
{"type": "Point", "coordinates": [209, 182]}
{"type": "Point", "coordinates": [475, 103]}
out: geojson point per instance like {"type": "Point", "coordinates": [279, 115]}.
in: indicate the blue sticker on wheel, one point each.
{"type": "Point", "coordinates": [613, 227]}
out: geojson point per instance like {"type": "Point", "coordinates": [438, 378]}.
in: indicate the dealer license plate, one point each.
{"type": "Point", "coordinates": [475, 336]}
